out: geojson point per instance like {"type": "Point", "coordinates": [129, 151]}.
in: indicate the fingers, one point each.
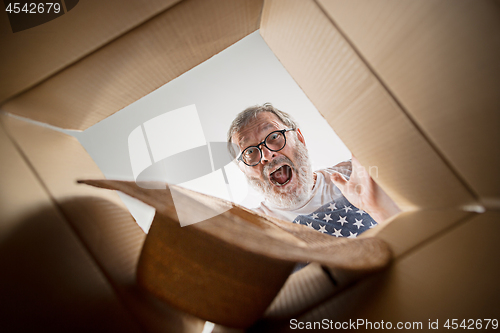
{"type": "Point", "coordinates": [356, 164]}
{"type": "Point", "coordinates": [339, 181]}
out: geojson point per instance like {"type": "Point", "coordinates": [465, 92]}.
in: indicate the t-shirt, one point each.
{"type": "Point", "coordinates": [327, 211]}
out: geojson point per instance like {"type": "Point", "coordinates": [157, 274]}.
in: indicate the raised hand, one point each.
{"type": "Point", "coordinates": [362, 191]}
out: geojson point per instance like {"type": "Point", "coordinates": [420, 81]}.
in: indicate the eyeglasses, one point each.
{"type": "Point", "coordinates": [275, 141]}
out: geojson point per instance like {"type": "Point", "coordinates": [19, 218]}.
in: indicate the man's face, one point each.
{"type": "Point", "coordinates": [283, 177]}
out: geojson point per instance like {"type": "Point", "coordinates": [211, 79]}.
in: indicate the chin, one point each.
{"type": "Point", "coordinates": [290, 195]}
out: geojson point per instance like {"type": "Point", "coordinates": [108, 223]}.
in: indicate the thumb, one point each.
{"type": "Point", "coordinates": [339, 181]}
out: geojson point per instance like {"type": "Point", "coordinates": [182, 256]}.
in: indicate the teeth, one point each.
{"type": "Point", "coordinates": [278, 184]}
{"type": "Point", "coordinates": [270, 173]}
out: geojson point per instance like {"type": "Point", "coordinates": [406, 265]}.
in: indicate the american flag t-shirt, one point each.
{"type": "Point", "coordinates": [338, 218]}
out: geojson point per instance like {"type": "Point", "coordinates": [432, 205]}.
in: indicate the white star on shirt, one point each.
{"type": "Point", "coordinates": [327, 217]}
{"type": "Point", "coordinates": [310, 225]}
{"type": "Point", "coordinates": [359, 211]}
{"type": "Point", "coordinates": [347, 208]}
{"type": "Point", "coordinates": [332, 206]}
{"type": "Point", "coordinates": [372, 225]}
{"type": "Point", "coordinates": [322, 229]}
{"type": "Point", "coordinates": [352, 235]}
{"type": "Point", "coordinates": [359, 223]}
{"type": "Point", "coordinates": [315, 216]}
{"type": "Point", "coordinates": [337, 233]}
{"type": "Point", "coordinates": [342, 220]}
{"type": "Point", "coordinates": [296, 221]}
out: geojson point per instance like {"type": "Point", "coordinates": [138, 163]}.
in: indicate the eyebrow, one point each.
{"type": "Point", "coordinates": [244, 140]}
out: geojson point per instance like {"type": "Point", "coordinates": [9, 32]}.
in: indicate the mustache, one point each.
{"type": "Point", "coordinates": [279, 160]}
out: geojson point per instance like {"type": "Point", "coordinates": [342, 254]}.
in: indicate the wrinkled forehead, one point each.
{"type": "Point", "coordinates": [257, 129]}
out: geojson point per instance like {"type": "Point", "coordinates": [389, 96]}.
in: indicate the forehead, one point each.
{"type": "Point", "coordinates": [255, 131]}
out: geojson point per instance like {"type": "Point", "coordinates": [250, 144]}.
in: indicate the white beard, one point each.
{"type": "Point", "coordinates": [283, 198]}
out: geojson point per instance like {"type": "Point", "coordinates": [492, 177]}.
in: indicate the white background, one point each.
{"type": "Point", "coordinates": [245, 74]}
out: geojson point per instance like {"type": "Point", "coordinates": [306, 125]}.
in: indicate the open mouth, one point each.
{"type": "Point", "coordinates": [281, 176]}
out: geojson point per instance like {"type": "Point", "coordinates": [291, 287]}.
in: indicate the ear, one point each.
{"type": "Point", "coordinates": [300, 136]}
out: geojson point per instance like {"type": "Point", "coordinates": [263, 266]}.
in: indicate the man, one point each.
{"type": "Point", "coordinates": [342, 201]}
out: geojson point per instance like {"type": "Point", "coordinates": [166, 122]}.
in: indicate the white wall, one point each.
{"type": "Point", "coordinates": [245, 74]}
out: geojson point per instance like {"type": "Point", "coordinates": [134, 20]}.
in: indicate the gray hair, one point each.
{"type": "Point", "coordinates": [249, 114]}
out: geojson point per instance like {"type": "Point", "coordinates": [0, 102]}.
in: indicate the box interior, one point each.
{"type": "Point", "coordinates": [411, 87]}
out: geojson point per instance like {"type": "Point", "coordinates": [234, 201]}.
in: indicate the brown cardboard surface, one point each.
{"type": "Point", "coordinates": [396, 83]}
{"type": "Point", "coordinates": [138, 62]}
{"type": "Point", "coordinates": [48, 280]}
{"type": "Point", "coordinates": [247, 231]}
{"type": "Point", "coordinates": [31, 56]}
{"type": "Point", "coordinates": [18, 194]}
{"type": "Point", "coordinates": [207, 276]}
{"type": "Point", "coordinates": [58, 158]}
{"type": "Point", "coordinates": [358, 107]}
{"type": "Point", "coordinates": [199, 268]}
{"type": "Point", "coordinates": [454, 276]}
{"type": "Point", "coordinates": [99, 218]}
{"type": "Point", "coordinates": [409, 230]}
{"type": "Point", "coordinates": [440, 60]}
{"type": "Point", "coordinates": [302, 290]}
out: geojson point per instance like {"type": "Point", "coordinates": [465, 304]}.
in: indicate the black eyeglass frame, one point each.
{"type": "Point", "coordinates": [283, 131]}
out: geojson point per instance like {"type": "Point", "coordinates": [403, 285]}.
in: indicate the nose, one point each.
{"type": "Point", "coordinates": [267, 155]}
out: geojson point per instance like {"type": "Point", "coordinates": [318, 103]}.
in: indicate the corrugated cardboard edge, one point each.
{"type": "Point", "coordinates": [137, 63]}
{"type": "Point", "coordinates": [440, 61]}
{"type": "Point", "coordinates": [29, 57]}
{"type": "Point", "coordinates": [100, 220]}
{"type": "Point", "coordinates": [359, 108]}
{"type": "Point", "coordinates": [44, 261]}
{"type": "Point", "coordinates": [440, 281]}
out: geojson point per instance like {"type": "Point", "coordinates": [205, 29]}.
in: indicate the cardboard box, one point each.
{"type": "Point", "coordinates": [414, 84]}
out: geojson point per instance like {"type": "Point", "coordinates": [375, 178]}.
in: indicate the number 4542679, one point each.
{"type": "Point", "coordinates": [33, 8]}
{"type": "Point", "coordinates": [471, 324]}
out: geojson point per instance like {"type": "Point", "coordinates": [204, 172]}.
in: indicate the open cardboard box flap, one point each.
{"type": "Point", "coordinates": [236, 252]}
{"type": "Point", "coordinates": [112, 73]}
{"type": "Point", "coordinates": [67, 40]}
{"type": "Point", "coordinates": [411, 88]}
